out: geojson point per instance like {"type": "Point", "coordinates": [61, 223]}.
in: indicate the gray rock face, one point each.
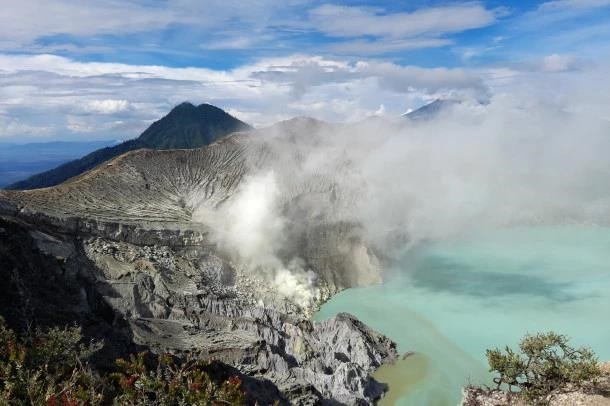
{"type": "Point", "coordinates": [182, 299]}
{"type": "Point", "coordinates": [123, 251]}
{"type": "Point", "coordinates": [193, 301]}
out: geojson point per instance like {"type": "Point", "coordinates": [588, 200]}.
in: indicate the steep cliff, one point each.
{"type": "Point", "coordinates": [136, 250]}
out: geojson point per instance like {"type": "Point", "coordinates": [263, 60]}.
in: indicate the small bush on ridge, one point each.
{"type": "Point", "coordinates": [544, 364]}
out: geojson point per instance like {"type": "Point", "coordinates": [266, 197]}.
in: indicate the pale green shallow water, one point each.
{"type": "Point", "coordinates": [451, 300]}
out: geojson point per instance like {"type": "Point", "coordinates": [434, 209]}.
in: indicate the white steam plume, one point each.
{"type": "Point", "coordinates": [251, 226]}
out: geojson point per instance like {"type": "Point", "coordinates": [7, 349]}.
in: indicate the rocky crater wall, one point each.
{"type": "Point", "coordinates": [120, 251]}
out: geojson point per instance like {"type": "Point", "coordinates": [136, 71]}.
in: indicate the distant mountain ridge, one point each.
{"type": "Point", "coordinates": [431, 110]}
{"type": "Point", "coordinates": [18, 161]}
{"type": "Point", "coordinates": [186, 126]}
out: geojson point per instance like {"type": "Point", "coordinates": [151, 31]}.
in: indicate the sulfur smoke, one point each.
{"type": "Point", "coordinates": [518, 158]}
{"type": "Point", "coordinates": [250, 227]}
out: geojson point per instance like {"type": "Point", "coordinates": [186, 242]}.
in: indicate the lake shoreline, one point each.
{"type": "Point", "coordinates": [464, 296]}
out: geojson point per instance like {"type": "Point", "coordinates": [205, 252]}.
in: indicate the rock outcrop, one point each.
{"type": "Point", "coordinates": [130, 250]}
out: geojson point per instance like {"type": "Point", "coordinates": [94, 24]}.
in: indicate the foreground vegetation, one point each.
{"type": "Point", "coordinates": [544, 365]}
{"type": "Point", "coordinates": [51, 367]}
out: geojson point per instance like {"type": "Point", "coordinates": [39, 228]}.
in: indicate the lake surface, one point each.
{"type": "Point", "coordinates": [448, 301]}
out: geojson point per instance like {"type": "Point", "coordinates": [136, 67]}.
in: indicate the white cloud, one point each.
{"type": "Point", "coordinates": [368, 47]}
{"type": "Point", "coordinates": [107, 106]}
{"type": "Point", "coordinates": [25, 21]}
{"type": "Point", "coordinates": [28, 20]}
{"type": "Point", "coordinates": [79, 125]}
{"type": "Point", "coordinates": [14, 128]}
{"type": "Point", "coordinates": [68, 67]}
{"type": "Point", "coordinates": [573, 4]}
{"type": "Point", "coordinates": [229, 25]}
{"type": "Point", "coordinates": [346, 21]}
{"type": "Point", "coordinates": [558, 63]}
{"type": "Point", "coordinates": [229, 43]}
{"type": "Point", "coordinates": [404, 78]}
{"type": "Point", "coordinates": [553, 12]}
{"type": "Point", "coordinates": [374, 32]}
{"type": "Point", "coordinates": [63, 98]}
{"type": "Point", "coordinates": [111, 100]}
{"type": "Point", "coordinates": [59, 98]}
{"type": "Point", "coordinates": [301, 75]}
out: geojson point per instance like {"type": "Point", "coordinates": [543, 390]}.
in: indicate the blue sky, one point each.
{"type": "Point", "coordinates": [83, 69]}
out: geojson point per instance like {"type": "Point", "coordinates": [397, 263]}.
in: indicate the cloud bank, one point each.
{"type": "Point", "coordinates": [52, 97]}
{"type": "Point", "coordinates": [44, 95]}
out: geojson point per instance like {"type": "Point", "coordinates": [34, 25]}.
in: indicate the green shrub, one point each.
{"type": "Point", "coordinates": [170, 383]}
{"type": "Point", "coordinates": [544, 364]}
{"type": "Point", "coordinates": [47, 367]}
{"type": "Point", "coordinates": [50, 368]}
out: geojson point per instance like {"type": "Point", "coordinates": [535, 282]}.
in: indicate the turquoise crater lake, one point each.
{"type": "Point", "coordinates": [450, 300]}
